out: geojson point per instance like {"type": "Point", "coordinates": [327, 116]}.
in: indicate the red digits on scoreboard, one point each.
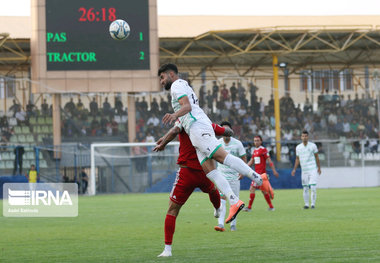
{"type": "Point", "coordinates": [112, 15]}
{"type": "Point", "coordinates": [91, 15]}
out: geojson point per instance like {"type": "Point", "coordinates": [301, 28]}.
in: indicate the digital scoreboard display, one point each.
{"type": "Point", "coordinates": [77, 35]}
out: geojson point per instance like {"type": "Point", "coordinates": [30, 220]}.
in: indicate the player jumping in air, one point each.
{"type": "Point", "coordinates": [198, 126]}
{"type": "Point", "coordinates": [260, 157]}
{"type": "Point", "coordinates": [189, 177]}
{"type": "Point", "coordinates": [307, 156]}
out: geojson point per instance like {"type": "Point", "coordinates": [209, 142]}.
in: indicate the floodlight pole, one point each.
{"type": "Point", "coordinates": [276, 107]}
{"type": "Point", "coordinates": [378, 102]}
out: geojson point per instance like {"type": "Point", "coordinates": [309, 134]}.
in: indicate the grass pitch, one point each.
{"type": "Point", "coordinates": [344, 227]}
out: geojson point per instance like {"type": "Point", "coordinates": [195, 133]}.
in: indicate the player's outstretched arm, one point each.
{"type": "Point", "coordinates": [168, 137]}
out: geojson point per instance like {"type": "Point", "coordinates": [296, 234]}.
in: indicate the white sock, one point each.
{"type": "Point", "coordinates": [168, 248]}
{"type": "Point", "coordinates": [222, 184]}
{"type": "Point", "coordinates": [313, 189]}
{"type": "Point", "coordinates": [306, 195]}
{"type": "Point", "coordinates": [222, 212]}
{"type": "Point", "coordinates": [240, 166]}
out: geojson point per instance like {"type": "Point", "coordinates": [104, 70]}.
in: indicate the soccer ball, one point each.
{"type": "Point", "coordinates": [119, 29]}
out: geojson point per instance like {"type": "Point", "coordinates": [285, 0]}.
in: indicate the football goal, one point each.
{"type": "Point", "coordinates": [129, 167]}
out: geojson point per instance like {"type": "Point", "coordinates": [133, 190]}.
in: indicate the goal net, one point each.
{"type": "Point", "coordinates": [129, 167]}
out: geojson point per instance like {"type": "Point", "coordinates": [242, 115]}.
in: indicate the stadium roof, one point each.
{"type": "Point", "coordinates": [298, 46]}
{"type": "Point", "coordinates": [207, 41]}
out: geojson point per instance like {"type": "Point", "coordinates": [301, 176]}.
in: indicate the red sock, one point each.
{"type": "Point", "coordinates": [267, 197]}
{"type": "Point", "coordinates": [251, 198]}
{"type": "Point", "coordinates": [215, 198]}
{"type": "Point", "coordinates": [169, 229]}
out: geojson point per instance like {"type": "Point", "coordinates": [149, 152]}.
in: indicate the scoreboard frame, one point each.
{"type": "Point", "coordinates": [104, 80]}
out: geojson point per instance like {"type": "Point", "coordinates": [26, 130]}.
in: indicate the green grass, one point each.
{"type": "Point", "coordinates": [345, 227]}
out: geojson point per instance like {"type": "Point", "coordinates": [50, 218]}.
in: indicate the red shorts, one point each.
{"type": "Point", "coordinates": [186, 181]}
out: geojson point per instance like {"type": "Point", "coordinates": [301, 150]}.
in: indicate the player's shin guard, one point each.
{"type": "Point", "coordinates": [169, 229]}
{"type": "Point", "coordinates": [215, 198]}
{"type": "Point", "coordinates": [242, 168]}
{"type": "Point", "coordinates": [222, 212]}
{"type": "Point", "coordinates": [222, 184]}
{"type": "Point", "coordinates": [313, 189]}
{"type": "Point", "coordinates": [306, 195]}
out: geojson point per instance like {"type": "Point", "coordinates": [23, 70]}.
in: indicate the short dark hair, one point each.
{"type": "Point", "coordinates": [259, 136]}
{"type": "Point", "coordinates": [305, 132]}
{"type": "Point", "coordinates": [167, 67]}
{"type": "Point", "coordinates": [226, 123]}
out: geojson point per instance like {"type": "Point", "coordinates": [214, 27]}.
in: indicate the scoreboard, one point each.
{"type": "Point", "coordinates": [77, 35]}
{"type": "Point", "coordinates": [72, 50]}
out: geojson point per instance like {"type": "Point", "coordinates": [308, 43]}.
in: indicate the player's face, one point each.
{"type": "Point", "coordinates": [304, 137]}
{"type": "Point", "coordinates": [165, 80]}
{"type": "Point", "coordinates": [257, 142]}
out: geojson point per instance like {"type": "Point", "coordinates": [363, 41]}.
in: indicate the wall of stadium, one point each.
{"type": "Point", "coordinates": [342, 177]}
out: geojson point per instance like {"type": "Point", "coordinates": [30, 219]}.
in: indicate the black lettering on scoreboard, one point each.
{"type": "Point", "coordinates": [77, 35]}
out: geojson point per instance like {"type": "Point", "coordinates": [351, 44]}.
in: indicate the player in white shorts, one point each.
{"type": "Point", "coordinates": [198, 126]}
{"type": "Point", "coordinates": [236, 148]}
{"type": "Point", "coordinates": [307, 156]}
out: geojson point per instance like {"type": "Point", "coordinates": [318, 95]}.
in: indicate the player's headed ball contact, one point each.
{"type": "Point", "coordinates": [119, 29]}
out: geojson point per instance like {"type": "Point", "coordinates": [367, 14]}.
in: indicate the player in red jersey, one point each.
{"type": "Point", "coordinates": [260, 157]}
{"type": "Point", "coordinates": [189, 177]}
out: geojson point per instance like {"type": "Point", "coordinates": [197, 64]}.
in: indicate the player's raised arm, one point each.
{"type": "Point", "coordinates": [185, 108]}
{"type": "Point", "coordinates": [168, 137]}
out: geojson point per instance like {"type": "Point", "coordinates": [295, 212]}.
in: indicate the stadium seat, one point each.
{"type": "Point", "coordinates": [29, 138]}
{"type": "Point", "coordinates": [5, 156]}
{"type": "Point", "coordinates": [49, 120]}
{"type": "Point", "coordinates": [322, 156]}
{"type": "Point", "coordinates": [45, 129]}
{"type": "Point", "coordinates": [12, 122]}
{"type": "Point", "coordinates": [8, 165]}
{"type": "Point", "coordinates": [13, 139]}
{"type": "Point", "coordinates": [2, 165]}
{"type": "Point", "coordinates": [21, 138]}
{"type": "Point", "coordinates": [284, 150]}
{"type": "Point", "coordinates": [41, 120]}
{"type": "Point", "coordinates": [25, 129]}
{"type": "Point", "coordinates": [117, 118]}
{"type": "Point", "coordinates": [29, 156]}
{"type": "Point", "coordinates": [17, 129]}
{"type": "Point", "coordinates": [33, 120]}
{"type": "Point", "coordinates": [43, 164]}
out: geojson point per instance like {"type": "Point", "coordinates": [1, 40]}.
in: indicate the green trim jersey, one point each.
{"type": "Point", "coordinates": [306, 156]}
{"type": "Point", "coordinates": [179, 89]}
{"type": "Point", "coordinates": [236, 148]}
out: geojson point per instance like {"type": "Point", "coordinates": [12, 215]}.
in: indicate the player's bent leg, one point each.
{"type": "Point", "coordinates": [222, 184]}
{"type": "Point", "coordinates": [237, 164]}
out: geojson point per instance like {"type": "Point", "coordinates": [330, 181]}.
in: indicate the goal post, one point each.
{"type": "Point", "coordinates": [129, 167]}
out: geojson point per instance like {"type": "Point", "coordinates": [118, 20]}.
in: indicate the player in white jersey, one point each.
{"type": "Point", "coordinates": [235, 147]}
{"type": "Point", "coordinates": [307, 156]}
{"type": "Point", "coordinates": [198, 126]}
